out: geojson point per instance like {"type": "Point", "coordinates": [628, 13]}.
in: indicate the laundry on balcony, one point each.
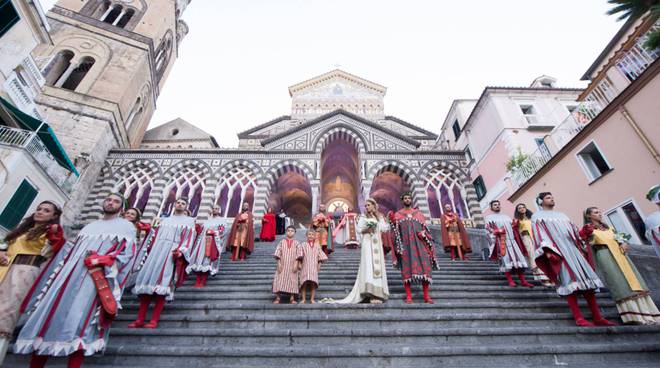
{"type": "Point", "coordinates": [44, 132]}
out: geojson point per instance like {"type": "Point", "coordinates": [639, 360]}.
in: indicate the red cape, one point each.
{"type": "Point", "coordinates": [268, 227]}
{"type": "Point", "coordinates": [250, 235]}
{"type": "Point", "coordinates": [465, 241]}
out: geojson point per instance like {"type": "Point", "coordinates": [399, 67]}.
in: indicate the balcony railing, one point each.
{"type": "Point", "coordinates": [30, 142]}
{"type": "Point", "coordinates": [632, 64]}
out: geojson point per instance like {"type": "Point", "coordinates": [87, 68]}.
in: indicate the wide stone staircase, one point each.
{"type": "Point", "coordinates": [477, 320]}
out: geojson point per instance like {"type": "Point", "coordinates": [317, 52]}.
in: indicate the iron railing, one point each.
{"type": "Point", "coordinates": [32, 144]}
{"type": "Point", "coordinates": [631, 64]}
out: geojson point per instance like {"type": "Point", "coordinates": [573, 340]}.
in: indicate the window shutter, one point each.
{"type": "Point", "coordinates": [8, 16]}
{"type": "Point", "coordinates": [18, 205]}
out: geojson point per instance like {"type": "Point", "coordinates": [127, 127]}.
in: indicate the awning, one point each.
{"type": "Point", "coordinates": [45, 133]}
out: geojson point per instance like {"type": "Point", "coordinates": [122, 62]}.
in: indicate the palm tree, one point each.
{"type": "Point", "coordinates": [635, 9]}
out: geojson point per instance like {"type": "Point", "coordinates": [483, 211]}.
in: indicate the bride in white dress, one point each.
{"type": "Point", "coordinates": [371, 282]}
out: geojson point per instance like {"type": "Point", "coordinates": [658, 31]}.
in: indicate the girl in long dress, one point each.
{"type": "Point", "coordinates": [30, 246]}
{"type": "Point", "coordinates": [522, 226]}
{"type": "Point", "coordinates": [626, 285]}
{"type": "Point", "coordinates": [371, 282]}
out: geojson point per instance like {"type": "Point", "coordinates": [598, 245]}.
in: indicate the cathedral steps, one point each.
{"type": "Point", "coordinates": [477, 321]}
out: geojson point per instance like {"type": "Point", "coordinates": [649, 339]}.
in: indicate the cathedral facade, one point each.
{"type": "Point", "coordinates": [337, 147]}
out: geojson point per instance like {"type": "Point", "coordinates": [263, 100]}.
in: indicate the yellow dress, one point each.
{"type": "Point", "coordinates": [626, 285]}
{"type": "Point", "coordinates": [17, 279]}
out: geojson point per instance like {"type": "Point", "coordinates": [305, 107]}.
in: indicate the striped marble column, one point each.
{"type": "Point", "coordinates": [155, 200]}
{"type": "Point", "coordinates": [260, 199]}
{"type": "Point", "coordinates": [473, 205]}
{"type": "Point", "coordinates": [419, 197]}
{"type": "Point", "coordinates": [93, 205]}
{"type": "Point", "coordinates": [208, 196]}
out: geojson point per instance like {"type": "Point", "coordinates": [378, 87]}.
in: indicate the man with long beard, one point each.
{"type": "Point", "coordinates": [74, 301]}
{"type": "Point", "coordinates": [414, 248]}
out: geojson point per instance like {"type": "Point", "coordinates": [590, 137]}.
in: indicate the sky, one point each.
{"type": "Point", "coordinates": [235, 65]}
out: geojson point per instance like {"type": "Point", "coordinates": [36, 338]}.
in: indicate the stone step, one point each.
{"type": "Point", "coordinates": [368, 321]}
{"type": "Point", "coordinates": [392, 337]}
{"type": "Point", "coordinates": [501, 355]}
{"type": "Point", "coordinates": [205, 307]}
{"type": "Point", "coordinates": [348, 276]}
{"type": "Point", "coordinates": [438, 281]}
{"type": "Point", "coordinates": [436, 295]}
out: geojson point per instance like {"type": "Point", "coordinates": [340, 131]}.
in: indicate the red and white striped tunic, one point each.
{"type": "Point", "coordinates": [288, 253]}
{"type": "Point", "coordinates": [312, 256]}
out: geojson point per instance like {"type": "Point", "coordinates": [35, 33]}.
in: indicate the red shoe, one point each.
{"type": "Point", "coordinates": [136, 324]}
{"type": "Point", "coordinates": [429, 301]}
{"type": "Point", "coordinates": [604, 322]}
{"type": "Point", "coordinates": [151, 325]}
{"type": "Point", "coordinates": [583, 323]}
{"type": "Point", "coordinates": [408, 301]}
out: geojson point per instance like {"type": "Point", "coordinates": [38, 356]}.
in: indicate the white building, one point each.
{"type": "Point", "coordinates": [505, 122]}
{"type": "Point", "coordinates": [33, 167]}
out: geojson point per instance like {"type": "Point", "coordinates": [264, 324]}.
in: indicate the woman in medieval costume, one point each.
{"type": "Point", "coordinates": [522, 226]}
{"type": "Point", "coordinates": [268, 226]}
{"type": "Point", "coordinates": [626, 285]}
{"type": "Point", "coordinates": [371, 281]}
{"type": "Point", "coordinates": [74, 301]}
{"type": "Point", "coordinates": [31, 244]}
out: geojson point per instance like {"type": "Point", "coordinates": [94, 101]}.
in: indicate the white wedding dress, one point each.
{"type": "Point", "coordinates": [371, 279]}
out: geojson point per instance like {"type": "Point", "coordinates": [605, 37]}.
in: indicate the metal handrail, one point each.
{"type": "Point", "coordinates": [32, 144]}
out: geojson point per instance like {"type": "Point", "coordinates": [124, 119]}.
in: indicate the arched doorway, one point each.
{"type": "Point", "coordinates": [340, 172]}
{"type": "Point", "coordinates": [292, 192]}
{"type": "Point", "coordinates": [386, 189]}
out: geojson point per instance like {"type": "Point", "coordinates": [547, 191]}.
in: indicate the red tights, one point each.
{"type": "Point", "coordinates": [75, 360]}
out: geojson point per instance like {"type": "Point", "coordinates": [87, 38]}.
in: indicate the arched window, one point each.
{"type": "Point", "coordinates": [188, 183]}
{"type": "Point", "coordinates": [136, 188]}
{"type": "Point", "coordinates": [58, 66]}
{"type": "Point", "coordinates": [136, 113]}
{"type": "Point", "coordinates": [163, 55]}
{"type": "Point", "coordinates": [443, 188]}
{"type": "Point", "coordinates": [123, 21]}
{"type": "Point", "coordinates": [100, 11]}
{"type": "Point", "coordinates": [236, 187]}
{"type": "Point", "coordinates": [78, 74]}
{"type": "Point", "coordinates": [112, 14]}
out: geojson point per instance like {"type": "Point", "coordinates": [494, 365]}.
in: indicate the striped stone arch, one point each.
{"type": "Point", "coordinates": [341, 131]}
{"type": "Point", "coordinates": [136, 180]}
{"type": "Point", "coordinates": [286, 166]}
{"type": "Point", "coordinates": [433, 170]}
{"type": "Point", "coordinates": [454, 169]}
{"type": "Point", "coordinates": [103, 185]}
{"type": "Point", "coordinates": [397, 167]}
{"type": "Point", "coordinates": [215, 180]}
{"type": "Point", "coordinates": [191, 172]}
{"type": "Point", "coordinates": [270, 176]}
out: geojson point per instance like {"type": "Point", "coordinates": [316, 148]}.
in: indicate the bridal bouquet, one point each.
{"type": "Point", "coordinates": [622, 237]}
{"type": "Point", "coordinates": [371, 223]}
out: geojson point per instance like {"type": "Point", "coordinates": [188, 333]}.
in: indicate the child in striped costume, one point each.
{"type": "Point", "coordinates": [313, 255]}
{"type": "Point", "coordinates": [289, 256]}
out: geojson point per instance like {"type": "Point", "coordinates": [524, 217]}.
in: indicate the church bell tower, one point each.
{"type": "Point", "coordinates": [104, 72]}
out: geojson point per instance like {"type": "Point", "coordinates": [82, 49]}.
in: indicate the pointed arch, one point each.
{"type": "Point", "coordinates": [185, 179]}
